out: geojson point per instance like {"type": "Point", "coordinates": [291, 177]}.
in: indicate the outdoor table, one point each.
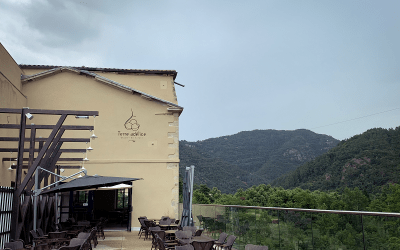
{"type": "Point", "coordinates": [195, 238]}
{"type": "Point", "coordinates": [202, 238]}
{"type": "Point", "coordinates": [168, 226]}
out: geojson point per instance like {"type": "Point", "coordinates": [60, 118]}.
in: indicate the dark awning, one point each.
{"type": "Point", "coordinates": [90, 182]}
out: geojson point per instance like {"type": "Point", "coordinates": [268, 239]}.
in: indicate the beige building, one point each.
{"type": "Point", "coordinates": [137, 126]}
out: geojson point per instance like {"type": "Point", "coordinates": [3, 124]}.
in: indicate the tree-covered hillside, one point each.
{"type": "Point", "coordinates": [367, 161]}
{"type": "Point", "coordinates": [251, 157]}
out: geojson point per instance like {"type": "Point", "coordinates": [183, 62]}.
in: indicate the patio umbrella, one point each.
{"type": "Point", "coordinates": [187, 192]}
{"type": "Point", "coordinates": [90, 182]}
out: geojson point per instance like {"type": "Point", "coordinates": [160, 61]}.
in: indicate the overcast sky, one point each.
{"type": "Point", "coordinates": [246, 65]}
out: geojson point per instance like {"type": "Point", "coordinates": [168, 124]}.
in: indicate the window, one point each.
{"type": "Point", "coordinates": [122, 199]}
{"type": "Point", "coordinates": [81, 197]}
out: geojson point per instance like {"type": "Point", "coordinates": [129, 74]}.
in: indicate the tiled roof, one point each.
{"type": "Point", "coordinates": [52, 71]}
{"type": "Point", "coordinates": [121, 71]}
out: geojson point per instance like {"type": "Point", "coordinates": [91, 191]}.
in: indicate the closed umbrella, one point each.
{"type": "Point", "coordinates": [187, 193]}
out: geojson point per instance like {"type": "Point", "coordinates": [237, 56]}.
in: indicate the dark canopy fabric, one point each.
{"type": "Point", "coordinates": [90, 182]}
{"type": "Point", "coordinates": [187, 215]}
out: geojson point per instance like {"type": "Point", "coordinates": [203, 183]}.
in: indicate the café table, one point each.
{"type": "Point", "coordinates": [202, 238]}
{"type": "Point", "coordinates": [171, 226]}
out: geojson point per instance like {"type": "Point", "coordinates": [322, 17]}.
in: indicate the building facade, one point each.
{"type": "Point", "coordinates": [137, 126]}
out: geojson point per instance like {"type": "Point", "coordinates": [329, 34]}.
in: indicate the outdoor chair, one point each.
{"type": "Point", "coordinates": [255, 247]}
{"type": "Point", "coordinates": [42, 247]}
{"type": "Point", "coordinates": [184, 247]}
{"type": "Point", "coordinates": [221, 240]}
{"type": "Point", "coordinates": [154, 241]}
{"type": "Point", "coordinates": [100, 227]}
{"type": "Point", "coordinates": [84, 223]}
{"type": "Point", "coordinates": [37, 239]}
{"type": "Point", "coordinates": [63, 226]}
{"type": "Point", "coordinates": [229, 243]}
{"type": "Point", "coordinates": [165, 221]}
{"type": "Point", "coordinates": [40, 232]}
{"type": "Point", "coordinates": [148, 224]}
{"type": "Point", "coordinates": [203, 245]}
{"type": "Point", "coordinates": [183, 237]}
{"type": "Point", "coordinates": [141, 227]}
{"type": "Point", "coordinates": [82, 243]}
{"type": "Point", "coordinates": [93, 237]}
{"type": "Point", "coordinates": [77, 247]}
{"type": "Point", "coordinates": [162, 245]}
{"type": "Point", "coordinates": [190, 228]}
{"type": "Point", "coordinates": [89, 237]}
{"type": "Point", "coordinates": [58, 239]}
{"type": "Point", "coordinates": [18, 244]}
{"type": "Point", "coordinates": [198, 232]}
{"type": "Point", "coordinates": [83, 235]}
{"type": "Point", "coordinates": [183, 234]}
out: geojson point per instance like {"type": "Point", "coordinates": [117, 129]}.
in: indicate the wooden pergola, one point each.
{"type": "Point", "coordinates": [48, 154]}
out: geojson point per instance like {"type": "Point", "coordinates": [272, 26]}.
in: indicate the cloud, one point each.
{"type": "Point", "coordinates": [63, 23]}
{"type": "Point", "coordinates": [51, 32]}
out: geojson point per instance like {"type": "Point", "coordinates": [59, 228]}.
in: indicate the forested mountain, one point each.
{"type": "Point", "coordinates": [367, 161]}
{"type": "Point", "coordinates": [251, 157]}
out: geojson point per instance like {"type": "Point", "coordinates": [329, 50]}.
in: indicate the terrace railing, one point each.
{"type": "Point", "coordinates": [6, 198]}
{"type": "Point", "coordinates": [296, 228]}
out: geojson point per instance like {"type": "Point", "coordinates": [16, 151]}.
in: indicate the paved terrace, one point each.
{"type": "Point", "coordinates": [123, 240]}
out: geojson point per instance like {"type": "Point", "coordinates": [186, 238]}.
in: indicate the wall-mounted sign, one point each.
{"type": "Point", "coordinates": [131, 132]}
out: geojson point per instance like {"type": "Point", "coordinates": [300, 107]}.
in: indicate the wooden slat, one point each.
{"type": "Point", "coordinates": [67, 150]}
{"type": "Point", "coordinates": [66, 127]}
{"type": "Point", "coordinates": [65, 167]}
{"type": "Point", "coordinates": [44, 139]}
{"type": "Point", "coordinates": [61, 159]}
{"type": "Point", "coordinates": [51, 112]}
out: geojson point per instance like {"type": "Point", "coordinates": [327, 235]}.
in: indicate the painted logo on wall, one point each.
{"type": "Point", "coordinates": [132, 126]}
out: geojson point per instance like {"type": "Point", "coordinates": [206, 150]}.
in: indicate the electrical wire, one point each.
{"type": "Point", "coordinates": [355, 118]}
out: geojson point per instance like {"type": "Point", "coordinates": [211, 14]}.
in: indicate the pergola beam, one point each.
{"type": "Point", "coordinates": [61, 159]}
{"type": "Point", "coordinates": [66, 150]}
{"type": "Point", "coordinates": [66, 127]}
{"type": "Point", "coordinates": [50, 112]}
{"type": "Point", "coordinates": [61, 166]}
{"type": "Point", "coordinates": [44, 139]}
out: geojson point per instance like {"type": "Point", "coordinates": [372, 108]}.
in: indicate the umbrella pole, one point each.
{"type": "Point", "coordinates": [191, 195]}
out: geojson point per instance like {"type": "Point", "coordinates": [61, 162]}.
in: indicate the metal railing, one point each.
{"type": "Point", "coordinates": [296, 228]}
{"type": "Point", "coordinates": [6, 198]}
